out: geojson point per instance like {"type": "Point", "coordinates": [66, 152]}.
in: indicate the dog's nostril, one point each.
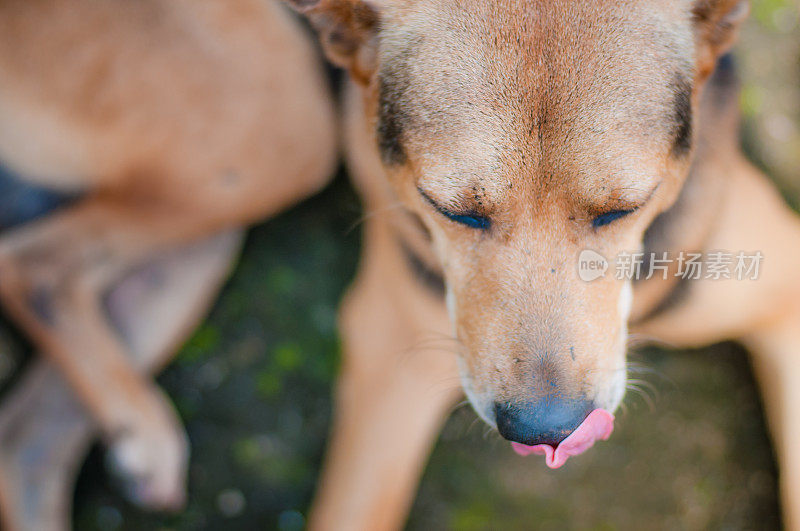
{"type": "Point", "coordinates": [547, 421]}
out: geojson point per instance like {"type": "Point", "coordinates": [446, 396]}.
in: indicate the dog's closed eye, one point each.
{"type": "Point", "coordinates": [609, 217]}
{"type": "Point", "coordinates": [474, 221]}
{"type": "Point", "coordinates": [470, 219]}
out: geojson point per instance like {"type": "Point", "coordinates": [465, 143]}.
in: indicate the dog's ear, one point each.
{"type": "Point", "coordinates": [717, 25]}
{"type": "Point", "coordinates": [348, 31]}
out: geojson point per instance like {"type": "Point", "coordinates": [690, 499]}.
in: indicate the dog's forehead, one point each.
{"type": "Point", "coordinates": [484, 86]}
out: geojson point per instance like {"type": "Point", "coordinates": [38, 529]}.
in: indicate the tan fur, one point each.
{"type": "Point", "coordinates": [497, 147]}
{"type": "Point", "coordinates": [539, 116]}
{"type": "Point", "coordinates": [481, 151]}
{"type": "Point", "coordinates": [41, 415]}
{"type": "Point", "coordinates": [176, 120]}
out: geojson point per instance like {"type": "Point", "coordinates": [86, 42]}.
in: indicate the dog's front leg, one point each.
{"type": "Point", "coordinates": [776, 360]}
{"type": "Point", "coordinates": [154, 308]}
{"type": "Point", "coordinates": [398, 382]}
{"type": "Point", "coordinates": [53, 275]}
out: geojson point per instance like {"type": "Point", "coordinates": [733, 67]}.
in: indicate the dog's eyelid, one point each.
{"type": "Point", "coordinates": [431, 201]}
{"type": "Point", "coordinates": [471, 219]}
{"type": "Point", "coordinates": [621, 210]}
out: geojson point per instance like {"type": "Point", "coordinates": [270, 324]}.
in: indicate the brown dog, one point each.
{"type": "Point", "coordinates": [495, 141]}
{"type": "Point", "coordinates": [173, 121]}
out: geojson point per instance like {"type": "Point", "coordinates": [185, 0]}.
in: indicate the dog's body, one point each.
{"type": "Point", "coordinates": [428, 107]}
{"type": "Point", "coordinates": [167, 123]}
{"type": "Point", "coordinates": [532, 126]}
{"type": "Point", "coordinates": [725, 205]}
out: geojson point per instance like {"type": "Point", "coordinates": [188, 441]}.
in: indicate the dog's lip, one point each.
{"type": "Point", "coordinates": [598, 425]}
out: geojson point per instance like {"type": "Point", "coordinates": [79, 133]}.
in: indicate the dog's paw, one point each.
{"type": "Point", "coordinates": [151, 468]}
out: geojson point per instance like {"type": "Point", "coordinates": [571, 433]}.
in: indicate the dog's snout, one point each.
{"type": "Point", "coordinates": [547, 421]}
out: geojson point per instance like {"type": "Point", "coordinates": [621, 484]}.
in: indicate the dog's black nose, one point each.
{"type": "Point", "coordinates": [548, 421]}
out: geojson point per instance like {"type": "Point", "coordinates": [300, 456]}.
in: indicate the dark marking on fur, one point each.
{"type": "Point", "coordinates": [395, 116]}
{"type": "Point", "coordinates": [427, 276]}
{"type": "Point", "coordinates": [41, 303]}
{"type": "Point", "coordinates": [391, 121]}
{"type": "Point", "coordinates": [667, 231]}
{"type": "Point", "coordinates": [678, 294]}
{"type": "Point", "coordinates": [683, 130]}
{"type": "Point", "coordinates": [724, 84]}
{"type": "Point", "coordinates": [661, 235]}
{"type": "Point", "coordinates": [343, 41]}
{"type": "Point", "coordinates": [725, 73]}
{"type": "Point", "coordinates": [366, 17]}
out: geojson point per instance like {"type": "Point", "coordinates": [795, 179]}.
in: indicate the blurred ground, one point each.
{"type": "Point", "coordinates": [253, 386]}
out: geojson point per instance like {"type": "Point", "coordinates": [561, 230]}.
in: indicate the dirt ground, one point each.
{"type": "Point", "coordinates": [254, 383]}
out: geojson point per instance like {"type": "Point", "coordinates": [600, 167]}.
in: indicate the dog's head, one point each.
{"type": "Point", "coordinates": [524, 132]}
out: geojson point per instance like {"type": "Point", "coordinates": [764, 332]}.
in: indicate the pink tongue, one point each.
{"type": "Point", "coordinates": [598, 425]}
